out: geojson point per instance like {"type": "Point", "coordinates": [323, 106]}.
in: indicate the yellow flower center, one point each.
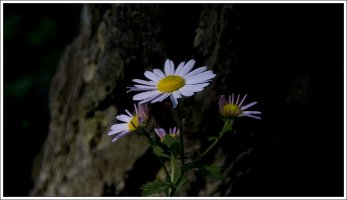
{"type": "Point", "coordinates": [172, 135]}
{"type": "Point", "coordinates": [170, 83]}
{"type": "Point", "coordinates": [134, 123]}
{"type": "Point", "coordinates": [231, 110]}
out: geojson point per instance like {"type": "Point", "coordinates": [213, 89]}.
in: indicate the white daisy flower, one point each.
{"type": "Point", "coordinates": [235, 109]}
{"type": "Point", "coordinates": [131, 122]}
{"type": "Point", "coordinates": [172, 83]}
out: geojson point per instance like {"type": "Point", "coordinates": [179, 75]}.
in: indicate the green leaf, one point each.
{"type": "Point", "coordinates": [210, 171]}
{"type": "Point", "coordinates": [154, 187]}
{"type": "Point", "coordinates": [182, 183]}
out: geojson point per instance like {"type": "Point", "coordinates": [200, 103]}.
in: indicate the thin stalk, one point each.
{"type": "Point", "coordinates": [172, 189]}
{"type": "Point", "coordinates": [226, 128]}
{"type": "Point", "coordinates": [173, 166]}
{"type": "Point", "coordinates": [209, 148]}
{"type": "Point", "coordinates": [182, 155]}
{"type": "Point", "coordinates": [182, 143]}
{"type": "Point", "coordinates": [161, 161]}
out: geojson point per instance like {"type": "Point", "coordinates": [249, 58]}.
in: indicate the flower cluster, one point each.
{"type": "Point", "coordinates": [175, 83]}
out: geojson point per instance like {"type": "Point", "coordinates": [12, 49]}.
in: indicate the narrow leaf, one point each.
{"type": "Point", "coordinates": [154, 187]}
{"type": "Point", "coordinates": [210, 171]}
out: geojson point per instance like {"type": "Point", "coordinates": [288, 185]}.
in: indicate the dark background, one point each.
{"type": "Point", "coordinates": [290, 59]}
{"type": "Point", "coordinates": [35, 36]}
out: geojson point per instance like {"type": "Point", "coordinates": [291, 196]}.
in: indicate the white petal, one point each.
{"type": "Point", "coordinates": [120, 135]}
{"type": "Point", "coordinates": [123, 118]}
{"type": "Point", "coordinates": [200, 74]}
{"type": "Point", "coordinates": [119, 127]}
{"type": "Point", "coordinates": [248, 105]}
{"type": "Point", "coordinates": [177, 95]}
{"type": "Point", "coordinates": [196, 86]}
{"type": "Point", "coordinates": [144, 82]}
{"type": "Point", "coordinates": [201, 85]}
{"type": "Point", "coordinates": [145, 86]}
{"type": "Point", "coordinates": [172, 67]}
{"type": "Point", "coordinates": [114, 132]}
{"type": "Point", "coordinates": [145, 95]}
{"type": "Point", "coordinates": [136, 110]}
{"type": "Point", "coordinates": [167, 67]}
{"type": "Point", "coordinates": [187, 67]}
{"type": "Point", "coordinates": [237, 100]}
{"type": "Point", "coordinates": [138, 89]}
{"type": "Point", "coordinates": [179, 68]}
{"type": "Point", "coordinates": [129, 113]}
{"type": "Point", "coordinates": [242, 100]}
{"type": "Point", "coordinates": [152, 76]}
{"type": "Point", "coordinates": [159, 73]}
{"type": "Point", "coordinates": [251, 116]}
{"type": "Point", "coordinates": [195, 89]}
{"type": "Point", "coordinates": [186, 93]}
{"type": "Point", "coordinates": [195, 71]}
{"type": "Point", "coordinates": [173, 100]}
{"type": "Point", "coordinates": [200, 79]}
{"type": "Point", "coordinates": [251, 112]}
{"type": "Point", "coordinates": [160, 97]}
{"type": "Point", "coordinates": [148, 99]}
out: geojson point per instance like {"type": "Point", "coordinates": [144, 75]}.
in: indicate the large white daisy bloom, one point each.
{"type": "Point", "coordinates": [130, 122]}
{"type": "Point", "coordinates": [172, 83]}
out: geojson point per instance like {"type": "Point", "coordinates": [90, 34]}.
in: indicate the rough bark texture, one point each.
{"type": "Point", "coordinates": [89, 90]}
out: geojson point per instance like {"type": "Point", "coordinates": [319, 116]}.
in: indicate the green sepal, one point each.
{"type": "Point", "coordinates": [173, 143]}
{"type": "Point", "coordinates": [157, 150]}
{"type": "Point", "coordinates": [213, 138]}
{"type": "Point", "coordinates": [229, 124]}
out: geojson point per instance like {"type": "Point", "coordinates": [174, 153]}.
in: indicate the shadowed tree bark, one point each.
{"type": "Point", "coordinates": [117, 43]}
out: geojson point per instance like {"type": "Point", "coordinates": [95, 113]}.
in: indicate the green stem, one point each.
{"type": "Point", "coordinates": [173, 165]}
{"type": "Point", "coordinates": [181, 142]}
{"type": "Point", "coordinates": [161, 161]}
{"type": "Point", "coordinates": [226, 127]}
{"type": "Point", "coordinates": [209, 148]}
{"type": "Point", "coordinates": [182, 155]}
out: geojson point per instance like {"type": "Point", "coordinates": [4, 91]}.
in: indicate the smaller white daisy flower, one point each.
{"type": "Point", "coordinates": [235, 109]}
{"type": "Point", "coordinates": [131, 122]}
{"type": "Point", "coordinates": [173, 83]}
{"type": "Point", "coordinates": [174, 132]}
